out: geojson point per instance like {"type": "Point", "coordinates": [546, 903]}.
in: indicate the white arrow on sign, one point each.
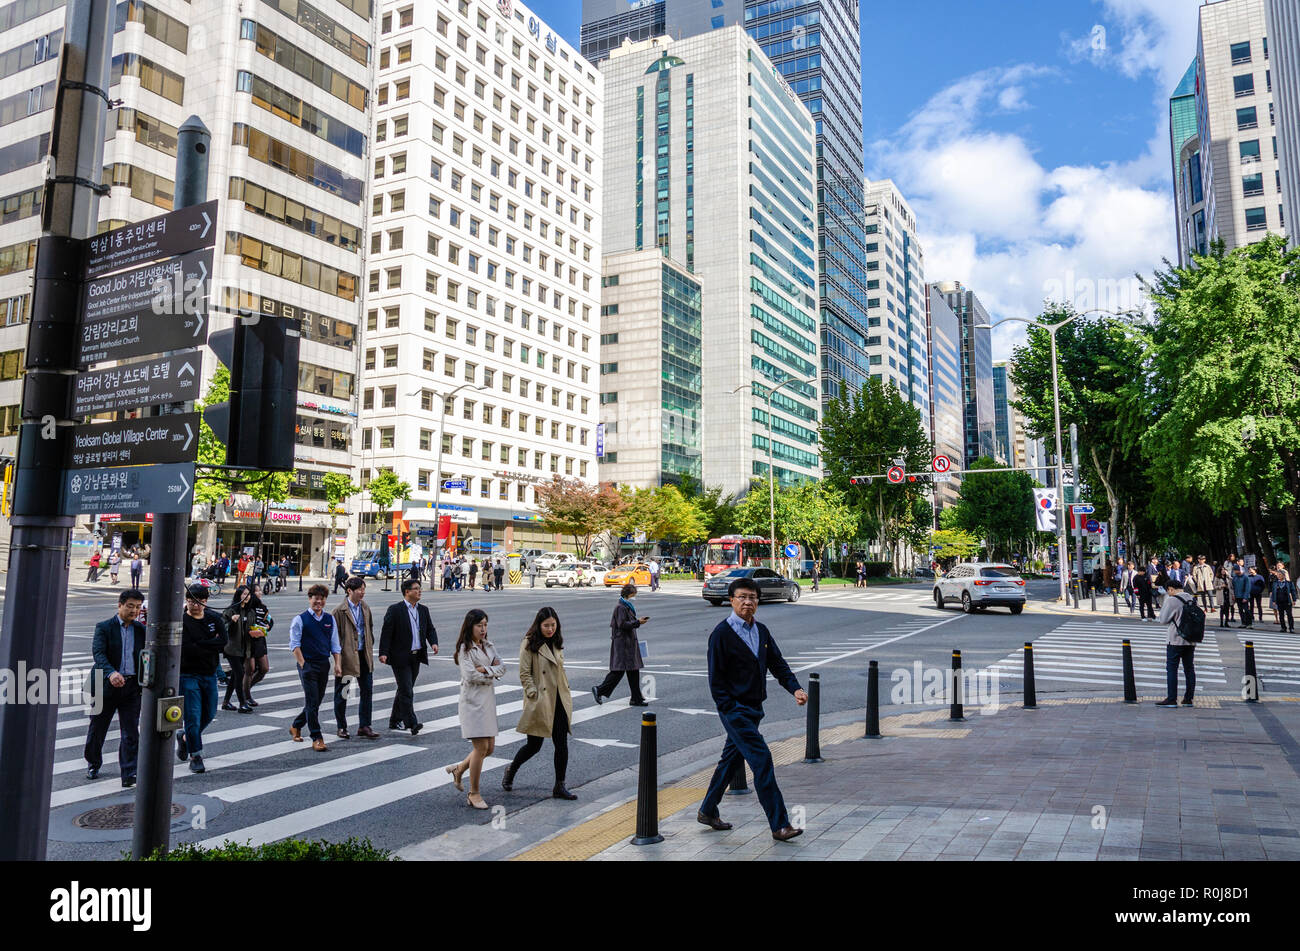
{"type": "Point", "coordinates": [692, 713]}
{"type": "Point", "coordinates": [207, 225]}
{"type": "Point", "coordinates": [187, 488]}
{"type": "Point", "coordinates": [604, 743]}
{"type": "Point", "coordinates": [198, 324]}
{"type": "Point", "coordinates": [189, 437]}
{"type": "Point", "coordinates": [185, 368]}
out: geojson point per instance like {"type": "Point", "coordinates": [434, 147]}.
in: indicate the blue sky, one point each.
{"type": "Point", "coordinates": [1030, 136]}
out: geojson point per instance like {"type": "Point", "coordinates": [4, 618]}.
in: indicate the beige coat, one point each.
{"type": "Point", "coordinates": [478, 702]}
{"type": "Point", "coordinates": [544, 681]}
{"type": "Point", "coordinates": [349, 659]}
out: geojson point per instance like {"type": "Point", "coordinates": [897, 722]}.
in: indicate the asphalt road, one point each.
{"type": "Point", "coordinates": [261, 786]}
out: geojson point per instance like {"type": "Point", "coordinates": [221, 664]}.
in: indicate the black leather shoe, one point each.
{"type": "Point", "coordinates": [559, 792]}
{"type": "Point", "coordinates": [92, 772]}
{"type": "Point", "coordinates": [638, 703]}
{"type": "Point", "coordinates": [196, 764]}
{"type": "Point", "coordinates": [182, 752]}
{"type": "Point", "coordinates": [595, 692]}
{"type": "Point", "coordinates": [399, 725]}
{"type": "Point", "coordinates": [713, 822]}
{"type": "Point", "coordinates": [245, 708]}
{"type": "Point", "coordinates": [417, 728]}
{"type": "Point", "coordinates": [508, 777]}
{"type": "Point", "coordinates": [1187, 702]}
{"type": "Point", "coordinates": [786, 834]}
{"type": "Point", "coordinates": [1168, 702]}
{"type": "Point", "coordinates": [128, 782]}
{"type": "Point", "coordinates": [228, 706]}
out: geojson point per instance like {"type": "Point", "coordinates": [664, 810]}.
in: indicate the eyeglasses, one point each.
{"type": "Point", "coordinates": [745, 597]}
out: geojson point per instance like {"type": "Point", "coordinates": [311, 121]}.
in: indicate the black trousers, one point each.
{"type": "Point", "coordinates": [314, 674]}
{"type": "Point", "coordinates": [1247, 619]}
{"type": "Point", "coordinates": [1257, 605]}
{"type": "Point", "coordinates": [559, 738]}
{"type": "Point", "coordinates": [1145, 608]}
{"type": "Point", "coordinates": [1286, 620]}
{"type": "Point", "coordinates": [124, 701]}
{"type": "Point", "coordinates": [404, 702]}
{"type": "Point", "coordinates": [611, 680]}
{"type": "Point", "coordinates": [1225, 613]}
{"type": "Point", "coordinates": [235, 681]}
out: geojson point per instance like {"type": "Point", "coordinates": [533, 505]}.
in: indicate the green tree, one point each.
{"type": "Point", "coordinates": [953, 544]}
{"type": "Point", "coordinates": [717, 508]}
{"type": "Point", "coordinates": [579, 509]}
{"type": "Point", "coordinates": [272, 487]}
{"type": "Point", "coordinates": [663, 514]}
{"type": "Point", "coordinates": [818, 514]}
{"type": "Point", "coordinates": [998, 506]}
{"type": "Point", "coordinates": [861, 433]}
{"type": "Point", "coordinates": [338, 489]}
{"type": "Point", "coordinates": [752, 515]}
{"type": "Point", "coordinates": [385, 489]}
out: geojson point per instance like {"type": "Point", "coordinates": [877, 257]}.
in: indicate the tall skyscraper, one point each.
{"type": "Point", "coordinates": [816, 47]}
{"type": "Point", "coordinates": [1236, 131]}
{"type": "Point", "coordinates": [947, 406]}
{"type": "Point", "coordinates": [1284, 47]}
{"type": "Point", "coordinates": [976, 369]}
{"type": "Point", "coordinates": [650, 360]}
{"type": "Point", "coordinates": [895, 270]}
{"type": "Point", "coordinates": [1004, 423]}
{"type": "Point", "coordinates": [482, 322]}
{"type": "Point", "coordinates": [284, 86]}
{"type": "Point", "coordinates": [1185, 149]}
{"type": "Point", "coordinates": [709, 157]}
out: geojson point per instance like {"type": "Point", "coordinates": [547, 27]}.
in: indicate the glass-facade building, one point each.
{"type": "Point", "coordinates": [976, 370]}
{"type": "Point", "coordinates": [816, 48]}
{"type": "Point", "coordinates": [1003, 423]}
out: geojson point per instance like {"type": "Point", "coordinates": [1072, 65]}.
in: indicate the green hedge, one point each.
{"type": "Point", "coordinates": [288, 850]}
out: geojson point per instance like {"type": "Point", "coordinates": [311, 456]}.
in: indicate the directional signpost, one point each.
{"type": "Point", "coordinates": [454, 484]}
{"type": "Point", "coordinates": [131, 490]}
{"type": "Point", "coordinates": [171, 379]}
{"type": "Point", "coordinates": [134, 442]}
{"type": "Point", "coordinates": [178, 232]}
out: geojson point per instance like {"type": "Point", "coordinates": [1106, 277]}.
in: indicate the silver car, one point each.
{"type": "Point", "coordinates": [981, 584]}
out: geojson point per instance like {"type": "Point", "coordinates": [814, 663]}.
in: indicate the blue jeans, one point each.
{"type": "Point", "coordinates": [200, 692]}
{"type": "Point", "coordinates": [744, 740]}
{"type": "Point", "coordinates": [1173, 654]}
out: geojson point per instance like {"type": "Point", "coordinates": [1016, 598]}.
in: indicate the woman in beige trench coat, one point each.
{"type": "Point", "coordinates": [548, 701]}
{"type": "Point", "coordinates": [480, 668]}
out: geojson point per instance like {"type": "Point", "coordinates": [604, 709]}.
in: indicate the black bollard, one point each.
{"type": "Point", "coordinates": [1114, 597]}
{"type": "Point", "coordinates": [812, 747]}
{"type": "Point", "coordinates": [873, 699]}
{"type": "Point", "coordinates": [1130, 683]}
{"type": "Point", "coordinates": [956, 712]}
{"type": "Point", "coordinates": [647, 793]}
{"type": "Point", "coordinates": [739, 787]}
{"type": "Point", "coordinates": [1031, 700]}
{"type": "Point", "coordinates": [1252, 688]}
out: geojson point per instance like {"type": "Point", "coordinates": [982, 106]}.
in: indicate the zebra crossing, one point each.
{"type": "Point", "coordinates": [249, 758]}
{"type": "Point", "coordinates": [1277, 658]}
{"type": "Point", "coordinates": [1090, 652]}
{"type": "Point", "coordinates": [906, 626]}
{"type": "Point", "coordinates": [832, 594]}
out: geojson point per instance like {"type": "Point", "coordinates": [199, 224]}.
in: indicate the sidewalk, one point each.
{"type": "Point", "coordinates": [1079, 778]}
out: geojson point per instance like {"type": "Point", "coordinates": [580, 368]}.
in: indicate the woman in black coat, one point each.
{"type": "Point", "coordinates": [624, 651]}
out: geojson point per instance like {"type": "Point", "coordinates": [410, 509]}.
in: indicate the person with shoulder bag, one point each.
{"type": "Point", "coordinates": [1186, 623]}
{"type": "Point", "coordinates": [548, 702]}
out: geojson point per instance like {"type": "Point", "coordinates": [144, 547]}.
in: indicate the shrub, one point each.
{"type": "Point", "coordinates": [287, 850]}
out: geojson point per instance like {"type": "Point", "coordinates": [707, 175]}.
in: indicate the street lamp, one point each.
{"type": "Point", "coordinates": [771, 471]}
{"type": "Point", "coordinates": [442, 426]}
{"type": "Point", "coordinates": [1056, 411]}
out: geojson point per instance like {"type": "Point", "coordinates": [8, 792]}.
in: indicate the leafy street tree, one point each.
{"type": "Point", "coordinates": [338, 489]}
{"type": "Point", "coordinates": [385, 489]}
{"type": "Point", "coordinates": [717, 509]}
{"type": "Point", "coordinates": [752, 515]}
{"type": "Point", "coordinates": [1226, 371]}
{"type": "Point", "coordinates": [573, 507]}
{"type": "Point", "coordinates": [953, 544]}
{"type": "Point", "coordinates": [860, 434]}
{"type": "Point", "coordinates": [817, 515]}
{"type": "Point", "coordinates": [998, 506]}
{"type": "Point", "coordinates": [663, 514]}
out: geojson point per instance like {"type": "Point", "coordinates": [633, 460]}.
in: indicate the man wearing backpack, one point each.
{"type": "Point", "coordinates": [1186, 623]}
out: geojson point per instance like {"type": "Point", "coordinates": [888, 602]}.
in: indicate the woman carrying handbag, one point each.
{"type": "Point", "coordinates": [480, 668]}
{"type": "Point", "coordinates": [548, 701]}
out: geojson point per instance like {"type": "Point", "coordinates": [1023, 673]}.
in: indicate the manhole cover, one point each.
{"type": "Point", "coordinates": [121, 816]}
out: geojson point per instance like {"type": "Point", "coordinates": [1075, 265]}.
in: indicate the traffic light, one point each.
{"type": "Point", "coordinates": [859, 480]}
{"type": "Point", "coordinates": [257, 423]}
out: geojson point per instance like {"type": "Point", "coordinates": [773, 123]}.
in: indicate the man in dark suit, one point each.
{"type": "Point", "coordinates": [741, 654]}
{"type": "Point", "coordinates": [404, 643]}
{"type": "Point", "coordinates": [115, 686]}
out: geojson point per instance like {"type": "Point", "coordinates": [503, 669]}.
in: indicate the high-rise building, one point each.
{"type": "Point", "coordinates": [1284, 43]}
{"type": "Point", "coordinates": [1004, 422]}
{"type": "Point", "coordinates": [285, 88]}
{"type": "Point", "coordinates": [1236, 129]}
{"type": "Point", "coordinates": [709, 157]}
{"type": "Point", "coordinates": [895, 269]}
{"type": "Point", "coordinates": [816, 47]}
{"type": "Point", "coordinates": [947, 406]}
{"type": "Point", "coordinates": [483, 315]}
{"type": "Point", "coordinates": [1185, 149]}
{"type": "Point", "coordinates": [976, 369]}
{"type": "Point", "coordinates": [650, 361]}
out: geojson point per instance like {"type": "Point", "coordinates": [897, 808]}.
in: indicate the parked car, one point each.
{"type": "Point", "coordinates": [575, 575]}
{"type": "Point", "coordinates": [979, 585]}
{"type": "Point", "coordinates": [771, 586]}
{"type": "Point", "coordinates": [553, 559]}
{"type": "Point", "coordinates": [638, 574]}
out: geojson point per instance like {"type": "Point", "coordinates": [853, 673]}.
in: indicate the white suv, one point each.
{"type": "Point", "coordinates": [553, 559]}
{"type": "Point", "coordinates": [979, 585]}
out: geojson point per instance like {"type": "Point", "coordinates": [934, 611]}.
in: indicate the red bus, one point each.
{"type": "Point", "coordinates": [736, 551]}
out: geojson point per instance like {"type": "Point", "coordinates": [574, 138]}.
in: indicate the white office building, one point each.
{"type": "Point", "coordinates": [895, 268]}
{"type": "Point", "coordinates": [709, 157]}
{"type": "Point", "coordinates": [1284, 43]}
{"type": "Point", "coordinates": [284, 88]}
{"type": "Point", "coordinates": [482, 325]}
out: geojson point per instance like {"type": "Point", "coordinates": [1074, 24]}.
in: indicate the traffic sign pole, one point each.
{"type": "Point", "coordinates": [37, 580]}
{"type": "Point", "coordinates": [153, 794]}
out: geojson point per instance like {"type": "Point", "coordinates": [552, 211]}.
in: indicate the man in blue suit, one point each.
{"type": "Point", "coordinates": [741, 653]}
{"type": "Point", "coordinates": [115, 686]}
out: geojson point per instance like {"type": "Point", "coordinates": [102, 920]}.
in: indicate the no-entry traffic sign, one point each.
{"type": "Point", "coordinates": [941, 464]}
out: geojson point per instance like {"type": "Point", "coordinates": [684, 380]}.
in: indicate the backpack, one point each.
{"type": "Point", "coordinates": [1191, 623]}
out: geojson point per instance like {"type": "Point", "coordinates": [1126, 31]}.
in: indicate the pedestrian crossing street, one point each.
{"type": "Point", "coordinates": [1090, 652]}
{"type": "Point", "coordinates": [251, 758]}
{"type": "Point", "coordinates": [1277, 658]}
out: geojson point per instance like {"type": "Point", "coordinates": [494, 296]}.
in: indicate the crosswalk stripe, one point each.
{"type": "Point", "coordinates": [307, 774]}
{"type": "Point", "coordinates": [295, 696]}
{"type": "Point", "coordinates": [422, 705]}
{"type": "Point", "coordinates": [111, 743]}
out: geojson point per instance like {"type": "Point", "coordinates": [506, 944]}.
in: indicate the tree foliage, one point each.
{"type": "Point", "coordinates": [953, 544]}
{"type": "Point", "coordinates": [576, 508]}
{"type": "Point", "coordinates": [998, 506]}
{"type": "Point", "coordinates": [386, 488]}
{"type": "Point", "coordinates": [664, 514]}
{"type": "Point", "coordinates": [818, 514]}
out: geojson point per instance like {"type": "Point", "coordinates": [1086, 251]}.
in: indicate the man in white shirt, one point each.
{"type": "Point", "coordinates": [404, 643]}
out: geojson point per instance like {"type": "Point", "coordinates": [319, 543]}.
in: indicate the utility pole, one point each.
{"type": "Point", "coordinates": [36, 590]}
{"type": "Point", "coordinates": [153, 794]}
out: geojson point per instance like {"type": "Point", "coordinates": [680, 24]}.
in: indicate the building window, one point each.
{"type": "Point", "coordinates": [1240, 53]}
{"type": "Point", "coordinates": [1256, 219]}
{"type": "Point", "coordinates": [1243, 85]}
